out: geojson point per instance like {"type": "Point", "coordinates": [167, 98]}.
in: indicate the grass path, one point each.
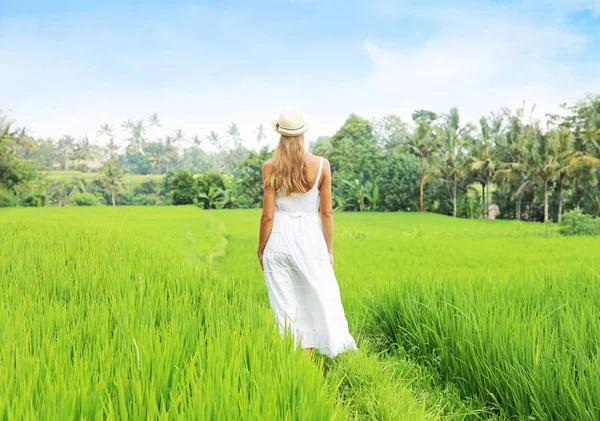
{"type": "Point", "coordinates": [370, 383]}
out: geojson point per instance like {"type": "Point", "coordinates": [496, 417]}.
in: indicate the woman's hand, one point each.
{"type": "Point", "coordinates": [260, 258]}
{"type": "Point", "coordinates": [331, 258]}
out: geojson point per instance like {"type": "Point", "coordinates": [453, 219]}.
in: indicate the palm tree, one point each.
{"type": "Point", "coordinates": [590, 113]}
{"type": "Point", "coordinates": [155, 152]}
{"type": "Point", "coordinates": [541, 159]}
{"type": "Point", "coordinates": [422, 144]}
{"type": "Point", "coordinates": [153, 120]}
{"type": "Point", "coordinates": [65, 146]}
{"type": "Point", "coordinates": [216, 141]}
{"type": "Point", "coordinates": [136, 139]}
{"type": "Point", "coordinates": [113, 148]}
{"type": "Point", "coordinates": [260, 134]}
{"type": "Point", "coordinates": [234, 134]}
{"type": "Point", "coordinates": [484, 156]}
{"type": "Point", "coordinates": [196, 141]}
{"type": "Point", "coordinates": [178, 136]}
{"type": "Point", "coordinates": [85, 150]}
{"type": "Point", "coordinates": [113, 177]}
{"type": "Point", "coordinates": [23, 139]}
{"type": "Point", "coordinates": [452, 160]}
{"type": "Point", "coordinates": [513, 152]}
{"type": "Point", "coordinates": [10, 173]}
{"type": "Point", "coordinates": [108, 131]}
{"type": "Point", "coordinates": [567, 160]}
{"type": "Point", "coordinates": [171, 151]}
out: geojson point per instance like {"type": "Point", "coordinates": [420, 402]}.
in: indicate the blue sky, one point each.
{"type": "Point", "coordinates": [68, 66]}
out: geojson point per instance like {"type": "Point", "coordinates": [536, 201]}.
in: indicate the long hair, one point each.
{"type": "Point", "coordinates": [289, 175]}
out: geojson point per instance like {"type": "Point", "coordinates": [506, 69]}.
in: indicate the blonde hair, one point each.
{"type": "Point", "coordinates": [289, 174]}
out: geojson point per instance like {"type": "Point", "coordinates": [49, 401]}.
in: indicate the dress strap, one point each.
{"type": "Point", "coordinates": [319, 173]}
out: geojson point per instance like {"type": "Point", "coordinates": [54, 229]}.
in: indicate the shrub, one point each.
{"type": "Point", "coordinates": [35, 200]}
{"type": "Point", "coordinates": [146, 188]}
{"type": "Point", "coordinates": [169, 180]}
{"type": "Point", "coordinates": [205, 182]}
{"type": "Point", "coordinates": [84, 199]}
{"type": "Point", "coordinates": [7, 198]}
{"type": "Point", "coordinates": [575, 222]}
{"type": "Point", "coordinates": [399, 183]}
{"type": "Point", "coordinates": [185, 188]}
{"type": "Point", "coordinates": [211, 178]}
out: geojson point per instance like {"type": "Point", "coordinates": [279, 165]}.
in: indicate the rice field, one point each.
{"type": "Point", "coordinates": [162, 313]}
{"type": "Point", "coordinates": [128, 179]}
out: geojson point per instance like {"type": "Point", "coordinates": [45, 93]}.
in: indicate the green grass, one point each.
{"type": "Point", "coordinates": [163, 313]}
{"type": "Point", "coordinates": [101, 317]}
{"type": "Point", "coordinates": [506, 311]}
{"type": "Point", "coordinates": [128, 179]}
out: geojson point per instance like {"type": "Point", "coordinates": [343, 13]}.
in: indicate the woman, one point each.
{"type": "Point", "coordinates": [295, 248]}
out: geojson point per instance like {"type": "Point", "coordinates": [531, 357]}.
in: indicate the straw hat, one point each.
{"type": "Point", "coordinates": [290, 123]}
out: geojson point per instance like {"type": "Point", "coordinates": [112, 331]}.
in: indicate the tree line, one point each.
{"type": "Point", "coordinates": [530, 169]}
{"type": "Point", "coordinates": [537, 170]}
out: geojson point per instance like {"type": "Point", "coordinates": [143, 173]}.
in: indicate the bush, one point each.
{"type": "Point", "coordinates": [84, 199]}
{"type": "Point", "coordinates": [205, 182]}
{"type": "Point", "coordinates": [211, 178]}
{"type": "Point", "coordinates": [169, 180]}
{"type": "Point", "coordinates": [7, 198]}
{"type": "Point", "coordinates": [185, 188]}
{"type": "Point", "coordinates": [35, 200]}
{"type": "Point", "coordinates": [575, 222]}
{"type": "Point", "coordinates": [399, 183]}
{"type": "Point", "coordinates": [146, 188]}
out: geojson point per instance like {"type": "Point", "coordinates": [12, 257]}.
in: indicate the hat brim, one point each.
{"type": "Point", "coordinates": [287, 132]}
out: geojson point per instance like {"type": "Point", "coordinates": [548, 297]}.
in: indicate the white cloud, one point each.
{"type": "Point", "coordinates": [483, 66]}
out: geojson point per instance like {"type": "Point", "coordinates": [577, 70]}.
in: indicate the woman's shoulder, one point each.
{"type": "Point", "coordinates": [317, 161]}
{"type": "Point", "coordinates": [317, 158]}
{"type": "Point", "coordinates": [267, 168]}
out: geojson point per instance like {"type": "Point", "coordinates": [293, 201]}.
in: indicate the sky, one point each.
{"type": "Point", "coordinates": [68, 66]}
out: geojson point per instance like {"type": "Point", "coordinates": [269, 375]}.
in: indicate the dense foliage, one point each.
{"type": "Point", "coordinates": [436, 163]}
{"type": "Point", "coordinates": [577, 223]}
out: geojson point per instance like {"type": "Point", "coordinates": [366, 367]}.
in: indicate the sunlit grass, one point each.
{"type": "Point", "coordinates": [507, 311]}
{"type": "Point", "coordinates": [163, 313]}
{"type": "Point", "coordinates": [103, 317]}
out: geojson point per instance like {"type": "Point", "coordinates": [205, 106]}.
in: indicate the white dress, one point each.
{"type": "Point", "coordinates": [303, 290]}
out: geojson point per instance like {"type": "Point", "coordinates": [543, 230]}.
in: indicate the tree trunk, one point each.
{"type": "Point", "coordinates": [483, 199]}
{"type": "Point", "coordinates": [597, 210]}
{"type": "Point", "coordinates": [454, 197]}
{"type": "Point", "coordinates": [560, 204]}
{"type": "Point", "coordinates": [421, 183]}
{"type": "Point", "coordinates": [112, 195]}
{"type": "Point", "coordinates": [487, 203]}
{"type": "Point", "coordinates": [530, 216]}
{"type": "Point", "coordinates": [518, 209]}
{"type": "Point", "coordinates": [546, 200]}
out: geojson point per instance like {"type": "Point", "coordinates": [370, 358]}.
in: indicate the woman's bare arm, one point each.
{"type": "Point", "coordinates": [327, 208]}
{"type": "Point", "coordinates": [268, 213]}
